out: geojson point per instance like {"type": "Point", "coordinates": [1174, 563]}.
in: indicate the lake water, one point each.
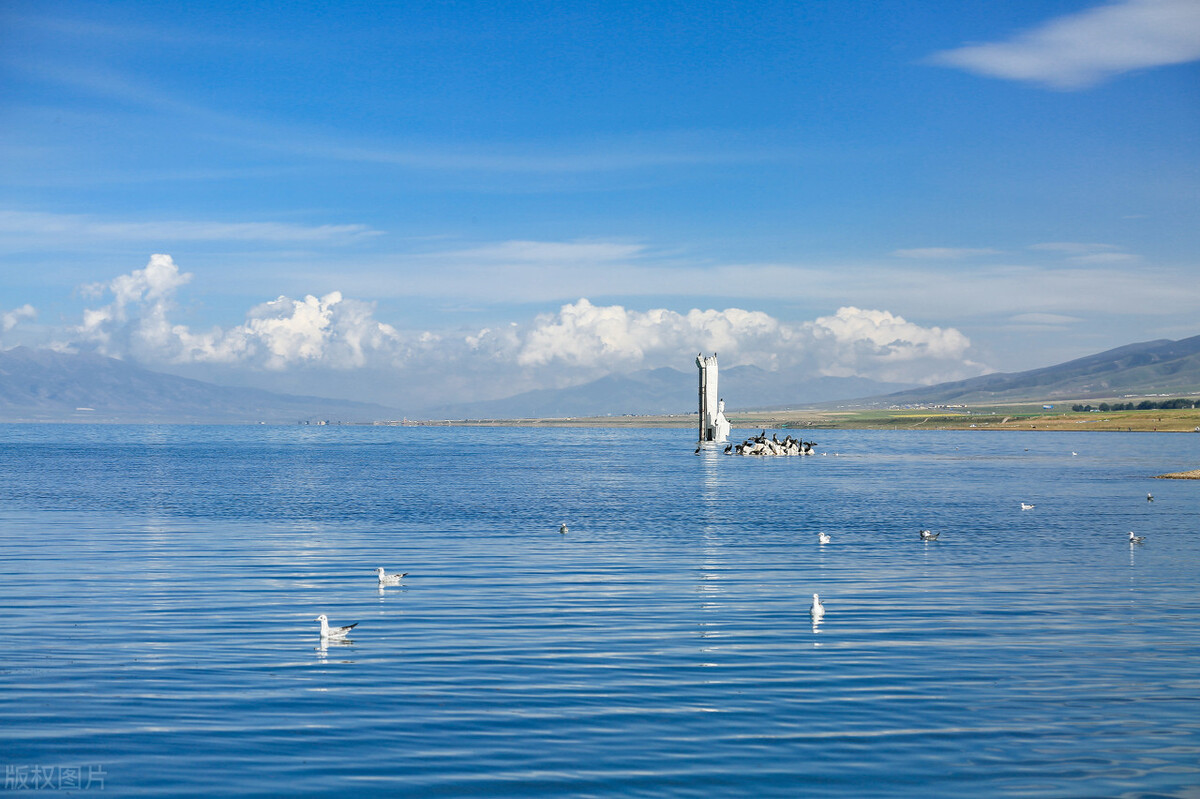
{"type": "Point", "coordinates": [158, 586]}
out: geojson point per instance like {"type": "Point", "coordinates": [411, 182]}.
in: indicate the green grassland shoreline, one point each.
{"type": "Point", "coordinates": [1003, 417]}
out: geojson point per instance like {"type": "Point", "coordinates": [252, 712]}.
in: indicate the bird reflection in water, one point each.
{"type": "Point", "coordinates": [322, 649]}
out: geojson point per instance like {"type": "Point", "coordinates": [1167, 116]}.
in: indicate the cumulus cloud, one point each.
{"type": "Point", "coordinates": [329, 330]}
{"type": "Point", "coordinates": [852, 342]}
{"type": "Point", "coordinates": [1081, 50]}
{"type": "Point", "coordinates": [146, 293]}
{"type": "Point", "coordinates": [10, 319]}
{"type": "Point", "coordinates": [332, 329]}
{"type": "Point", "coordinates": [578, 342]}
{"type": "Point", "coordinates": [582, 334]}
{"type": "Point", "coordinates": [884, 346]}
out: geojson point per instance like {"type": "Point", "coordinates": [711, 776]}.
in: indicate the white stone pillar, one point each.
{"type": "Point", "coordinates": [713, 425]}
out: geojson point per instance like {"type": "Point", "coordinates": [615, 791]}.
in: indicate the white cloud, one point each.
{"type": "Point", "coordinates": [559, 157]}
{"type": "Point", "coordinates": [78, 226]}
{"type": "Point", "coordinates": [1087, 253]}
{"type": "Point", "coordinates": [146, 293]}
{"type": "Point", "coordinates": [853, 341]}
{"type": "Point", "coordinates": [1043, 278]}
{"type": "Point", "coordinates": [883, 346]}
{"type": "Point", "coordinates": [549, 251]}
{"type": "Point", "coordinates": [10, 319]}
{"type": "Point", "coordinates": [1104, 258]}
{"type": "Point", "coordinates": [1044, 319]}
{"type": "Point", "coordinates": [1073, 247]}
{"type": "Point", "coordinates": [329, 330]}
{"type": "Point", "coordinates": [1080, 50]}
{"type": "Point", "coordinates": [582, 334]}
{"type": "Point", "coordinates": [579, 341]}
{"type": "Point", "coordinates": [332, 330]}
{"type": "Point", "coordinates": [943, 253]}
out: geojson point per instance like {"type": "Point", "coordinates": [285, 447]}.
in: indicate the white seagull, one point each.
{"type": "Point", "coordinates": [823, 538]}
{"type": "Point", "coordinates": [1026, 506]}
{"type": "Point", "coordinates": [928, 536]}
{"type": "Point", "coordinates": [1149, 497]}
{"type": "Point", "coordinates": [562, 528]}
{"type": "Point", "coordinates": [817, 610]}
{"type": "Point", "coordinates": [389, 579]}
{"type": "Point", "coordinates": [1136, 539]}
{"type": "Point", "coordinates": [328, 632]}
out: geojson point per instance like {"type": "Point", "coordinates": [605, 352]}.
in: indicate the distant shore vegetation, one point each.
{"type": "Point", "coordinates": [1144, 405]}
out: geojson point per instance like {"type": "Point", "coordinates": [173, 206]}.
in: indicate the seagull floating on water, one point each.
{"type": "Point", "coordinates": [389, 579]}
{"type": "Point", "coordinates": [1136, 539]}
{"type": "Point", "coordinates": [1149, 497]}
{"type": "Point", "coordinates": [333, 632]}
{"type": "Point", "coordinates": [563, 528]}
{"type": "Point", "coordinates": [928, 536]}
{"type": "Point", "coordinates": [1026, 506]}
{"type": "Point", "coordinates": [817, 610]}
{"type": "Point", "coordinates": [823, 538]}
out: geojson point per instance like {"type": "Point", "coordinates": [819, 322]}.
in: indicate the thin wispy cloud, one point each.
{"type": "Point", "coordinates": [1055, 277]}
{"type": "Point", "coordinates": [82, 227]}
{"type": "Point", "coordinates": [553, 251]}
{"type": "Point", "coordinates": [944, 253]}
{"type": "Point", "coordinates": [1104, 258]}
{"type": "Point", "coordinates": [1084, 49]}
{"type": "Point", "coordinates": [1073, 247]}
{"type": "Point", "coordinates": [105, 83]}
{"type": "Point", "coordinates": [1087, 253]}
{"type": "Point", "coordinates": [559, 156]}
{"type": "Point", "coordinates": [1044, 319]}
{"type": "Point", "coordinates": [89, 30]}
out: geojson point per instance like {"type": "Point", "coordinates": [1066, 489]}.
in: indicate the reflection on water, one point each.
{"type": "Point", "coordinates": [663, 648]}
{"type": "Point", "coordinates": [326, 644]}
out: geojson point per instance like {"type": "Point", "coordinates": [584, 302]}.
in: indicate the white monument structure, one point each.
{"type": "Point", "coordinates": [713, 424]}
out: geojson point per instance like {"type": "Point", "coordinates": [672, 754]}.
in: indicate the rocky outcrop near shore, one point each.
{"type": "Point", "coordinates": [1194, 474]}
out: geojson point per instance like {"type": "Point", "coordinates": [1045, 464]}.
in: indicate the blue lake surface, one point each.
{"type": "Point", "coordinates": [159, 583]}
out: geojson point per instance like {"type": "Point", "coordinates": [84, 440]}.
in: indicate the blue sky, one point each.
{"type": "Point", "coordinates": [352, 199]}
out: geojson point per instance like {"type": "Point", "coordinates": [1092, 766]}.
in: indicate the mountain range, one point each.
{"type": "Point", "coordinates": [49, 386]}
{"type": "Point", "coordinates": [664, 391]}
{"type": "Point", "coordinates": [1151, 367]}
{"type": "Point", "coordinates": [44, 385]}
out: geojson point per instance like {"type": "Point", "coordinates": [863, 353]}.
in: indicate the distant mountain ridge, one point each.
{"type": "Point", "coordinates": [44, 385]}
{"type": "Point", "coordinates": [662, 391]}
{"type": "Point", "coordinates": [1150, 367]}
